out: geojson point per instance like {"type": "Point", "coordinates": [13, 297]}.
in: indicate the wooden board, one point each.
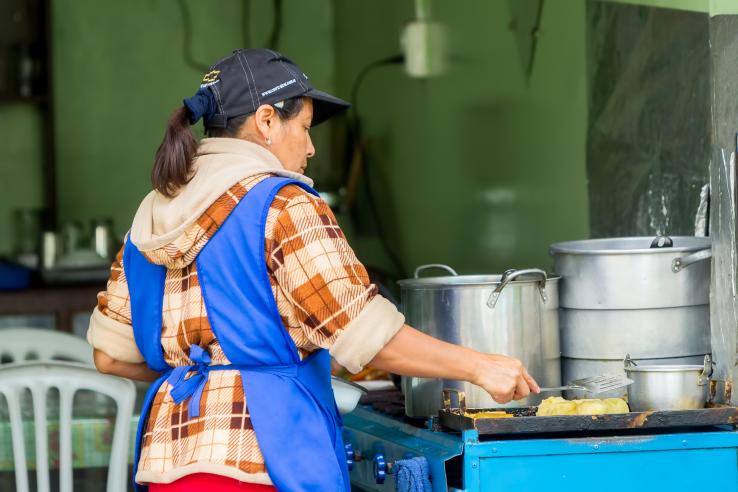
{"type": "Point", "coordinates": [525, 421]}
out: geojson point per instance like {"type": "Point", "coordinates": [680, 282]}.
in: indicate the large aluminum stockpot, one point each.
{"type": "Point", "coordinates": [514, 314]}
{"type": "Point", "coordinates": [633, 272]}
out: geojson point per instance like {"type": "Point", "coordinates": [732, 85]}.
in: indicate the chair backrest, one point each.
{"type": "Point", "coordinates": [23, 344]}
{"type": "Point", "coordinates": [39, 377]}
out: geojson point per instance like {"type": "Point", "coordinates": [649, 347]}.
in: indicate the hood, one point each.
{"type": "Point", "coordinates": [165, 229]}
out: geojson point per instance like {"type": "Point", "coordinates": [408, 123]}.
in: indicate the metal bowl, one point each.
{"type": "Point", "coordinates": [668, 387]}
{"type": "Point", "coordinates": [346, 393]}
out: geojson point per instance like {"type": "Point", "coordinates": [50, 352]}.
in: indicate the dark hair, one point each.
{"type": "Point", "coordinates": [289, 110]}
{"type": "Point", "coordinates": [173, 161]}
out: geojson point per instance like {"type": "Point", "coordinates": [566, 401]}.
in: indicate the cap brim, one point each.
{"type": "Point", "coordinates": [325, 106]}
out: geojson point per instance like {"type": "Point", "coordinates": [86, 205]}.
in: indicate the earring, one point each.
{"type": "Point", "coordinates": [269, 140]}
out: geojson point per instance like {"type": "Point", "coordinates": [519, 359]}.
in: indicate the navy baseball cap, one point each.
{"type": "Point", "coordinates": [248, 78]}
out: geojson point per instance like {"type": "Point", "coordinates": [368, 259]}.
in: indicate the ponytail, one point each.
{"type": "Point", "coordinates": [173, 162]}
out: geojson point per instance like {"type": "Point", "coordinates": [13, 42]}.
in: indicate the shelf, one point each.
{"type": "Point", "coordinates": [62, 301]}
{"type": "Point", "coordinates": [17, 99]}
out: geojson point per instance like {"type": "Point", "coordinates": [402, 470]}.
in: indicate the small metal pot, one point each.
{"type": "Point", "coordinates": [668, 387]}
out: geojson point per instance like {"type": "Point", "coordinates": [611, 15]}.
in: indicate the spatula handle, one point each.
{"type": "Point", "coordinates": [560, 388]}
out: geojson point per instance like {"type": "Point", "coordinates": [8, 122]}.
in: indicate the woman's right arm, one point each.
{"type": "Point", "coordinates": [413, 353]}
{"type": "Point", "coordinates": [131, 370]}
{"type": "Point", "coordinates": [339, 310]}
{"type": "Point", "coordinates": [110, 332]}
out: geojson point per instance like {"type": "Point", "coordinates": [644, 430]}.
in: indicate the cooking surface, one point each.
{"type": "Point", "coordinates": [680, 459]}
{"type": "Point", "coordinates": [525, 421]}
{"type": "Point", "coordinates": [389, 402]}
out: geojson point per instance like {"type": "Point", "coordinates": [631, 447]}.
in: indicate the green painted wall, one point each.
{"type": "Point", "coordinates": [20, 165]}
{"type": "Point", "coordinates": [476, 168]}
{"type": "Point", "coordinates": [482, 170]}
{"type": "Point", "coordinates": [119, 70]}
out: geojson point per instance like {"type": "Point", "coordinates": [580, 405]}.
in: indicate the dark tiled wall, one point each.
{"type": "Point", "coordinates": [649, 130]}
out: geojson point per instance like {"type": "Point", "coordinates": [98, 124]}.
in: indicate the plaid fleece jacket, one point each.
{"type": "Point", "coordinates": [321, 291]}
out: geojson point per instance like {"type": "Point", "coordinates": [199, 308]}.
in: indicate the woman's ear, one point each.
{"type": "Point", "coordinates": [265, 119]}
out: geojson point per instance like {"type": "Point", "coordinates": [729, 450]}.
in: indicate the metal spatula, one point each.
{"type": "Point", "coordinates": [595, 384]}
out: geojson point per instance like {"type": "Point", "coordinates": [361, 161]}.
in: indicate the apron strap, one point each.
{"type": "Point", "coordinates": [193, 387]}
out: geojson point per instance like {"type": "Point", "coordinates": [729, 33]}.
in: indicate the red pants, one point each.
{"type": "Point", "coordinates": [198, 482]}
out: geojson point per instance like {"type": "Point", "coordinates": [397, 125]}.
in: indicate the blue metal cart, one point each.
{"type": "Point", "coordinates": [674, 461]}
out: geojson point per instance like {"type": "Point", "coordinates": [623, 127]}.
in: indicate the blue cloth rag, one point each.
{"type": "Point", "coordinates": [411, 475]}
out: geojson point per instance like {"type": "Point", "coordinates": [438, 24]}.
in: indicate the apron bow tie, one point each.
{"type": "Point", "coordinates": [193, 386]}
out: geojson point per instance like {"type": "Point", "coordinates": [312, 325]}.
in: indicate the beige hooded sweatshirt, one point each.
{"type": "Point", "coordinates": [323, 295]}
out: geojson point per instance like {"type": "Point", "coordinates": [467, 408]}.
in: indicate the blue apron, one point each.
{"type": "Point", "coordinates": [291, 402]}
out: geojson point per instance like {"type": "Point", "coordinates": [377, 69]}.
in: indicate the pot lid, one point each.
{"type": "Point", "coordinates": [666, 368]}
{"type": "Point", "coordinates": [471, 280]}
{"type": "Point", "coordinates": [630, 245]}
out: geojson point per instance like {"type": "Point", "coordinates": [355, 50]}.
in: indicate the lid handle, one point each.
{"type": "Point", "coordinates": [435, 265]}
{"type": "Point", "coordinates": [662, 242]}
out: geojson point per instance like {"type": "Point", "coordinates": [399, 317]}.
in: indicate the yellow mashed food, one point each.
{"type": "Point", "coordinates": [559, 406]}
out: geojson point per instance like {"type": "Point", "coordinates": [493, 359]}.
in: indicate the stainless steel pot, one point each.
{"type": "Point", "coordinates": [572, 369]}
{"type": "Point", "coordinates": [644, 333]}
{"type": "Point", "coordinates": [668, 387]}
{"type": "Point", "coordinates": [514, 314]}
{"type": "Point", "coordinates": [645, 296]}
{"type": "Point", "coordinates": [633, 272]}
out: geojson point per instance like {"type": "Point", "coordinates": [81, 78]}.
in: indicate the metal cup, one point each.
{"type": "Point", "coordinates": [102, 238]}
{"type": "Point", "coordinates": [71, 236]}
{"type": "Point", "coordinates": [50, 245]}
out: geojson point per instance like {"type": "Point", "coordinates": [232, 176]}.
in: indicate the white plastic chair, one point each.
{"type": "Point", "coordinates": [39, 377]}
{"type": "Point", "coordinates": [20, 344]}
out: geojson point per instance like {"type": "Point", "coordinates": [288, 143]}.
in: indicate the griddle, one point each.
{"type": "Point", "coordinates": [524, 420]}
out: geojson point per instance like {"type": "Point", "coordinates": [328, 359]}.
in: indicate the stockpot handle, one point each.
{"type": "Point", "coordinates": [511, 275]}
{"type": "Point", "coordinates": [435, 265]}
{"type": "Point", "coordinates": [679, 264]}
{"type": "Point", "coordinates": [706, 371]}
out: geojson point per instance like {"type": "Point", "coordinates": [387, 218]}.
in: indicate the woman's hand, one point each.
{"type": "Point", "coordinates": [412, 353]}
{"type": "Point", "coordinates": [504, 378]}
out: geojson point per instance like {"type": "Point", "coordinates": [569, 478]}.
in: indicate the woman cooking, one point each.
{"type": "Point", "coordinates": [235, 287]}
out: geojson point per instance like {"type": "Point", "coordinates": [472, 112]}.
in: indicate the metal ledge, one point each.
{"type": "Point", "coordinates": [712, 7]}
